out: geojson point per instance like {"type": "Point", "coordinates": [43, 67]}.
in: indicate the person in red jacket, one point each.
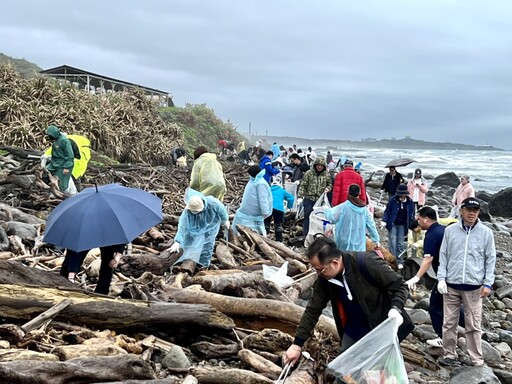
{"type": "Point", "coordinates": [343, 180]}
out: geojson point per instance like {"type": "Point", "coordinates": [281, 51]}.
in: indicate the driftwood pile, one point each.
{"type": "Point", "coordinates": [159, 325]}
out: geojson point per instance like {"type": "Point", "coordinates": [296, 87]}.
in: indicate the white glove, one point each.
{"type": "Point", "coordinates": [44, 160]}
{"type": "Point", "coordinates": [299, 201]}
{"type": "Point", "coordinates": [411, 283]}
{"type": "Point", "coordinates": [382, 224]}
{"type": "Point", "coordinates": [175, 247]}
{"type": "Point", "coordinates": [296, 182]}
{"type": "Point", "coordinates": [227, 225]}
{"type": "Point", "coordinates": [395, 314]}
{"type": "Point", "coordinates": [442, 288]}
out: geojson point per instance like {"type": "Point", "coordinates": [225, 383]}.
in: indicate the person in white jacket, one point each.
{"type": "Point", "coordinates": [467, 260]}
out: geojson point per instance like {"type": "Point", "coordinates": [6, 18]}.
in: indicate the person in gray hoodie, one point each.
{"type": "Point", "coordinates": [467, 259]}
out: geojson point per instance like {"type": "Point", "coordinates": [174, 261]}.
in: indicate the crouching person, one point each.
{"type": "Point", "coordinates": [363, 291]}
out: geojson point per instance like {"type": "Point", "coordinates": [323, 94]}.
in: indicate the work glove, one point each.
{"type": "Point", "coordinates": [395, 314]}
{"type": "Point", "coordinates": [299, 201]}
{"type": "Point", "coordinates": [227, 225]}
{"type": "Point", "coordinates": [411, 283]}
{"type": "Point", "coordinates": [382, 224]}
{"type": "Point", "coordinates": [442, 288]}
{"type": "Point", "coordinates": [296, 182]}
{"type": "Point", "coordinates": [175, 247]}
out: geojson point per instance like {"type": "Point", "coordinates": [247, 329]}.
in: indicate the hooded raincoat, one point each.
{"type": "Point", "coordinates": [197, 231]}
{"type": "Point", "coordinates": [84, 146]}
{"type": "Point", "coordinates": [61, 164]}
{"type": "Point", "coordinates": [256, 204]}
{"type": "Point", "coordinates": [207, 176]}
{"type": "Point", "coordinates": [352, 221]}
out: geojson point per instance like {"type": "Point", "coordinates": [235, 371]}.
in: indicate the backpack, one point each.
{"type": "Point", "coordinates": [76, 150]}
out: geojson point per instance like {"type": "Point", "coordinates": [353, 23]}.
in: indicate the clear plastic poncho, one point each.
{"type": "Point", "coordinates": [256, 204]}
{"type": "Point", "coordinates": [197, 231]}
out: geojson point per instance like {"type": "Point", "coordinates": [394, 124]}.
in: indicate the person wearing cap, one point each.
{"type": "Point", "coordinates": [256, 202]}
{"type": "Point", "coordinates": [315, 182]}
{"type": "Point", "coordinates": [398, 214]}
{"type": "Point", "coordinates": [343, 180]}
{"type": "Point", "coordinates": [391, 182]}
{"type": "Point", "coordinates": [207, 175]}
{"type": "Point", "coordinates": [198, 226]}
{"type": "Point", "coordinates": [467, 260]}
{"type": "Point", "coordinates": [279, 196]}
{"type": "Point", "coordinates": [352, 220]}
{"type": "Point", "coordinates": [418, 188]}
{"type": "Point", "coordinates": [463, 191]}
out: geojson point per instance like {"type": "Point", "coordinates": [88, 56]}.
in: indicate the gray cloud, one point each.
{"type": "Point", "coordinates": [434, 70]}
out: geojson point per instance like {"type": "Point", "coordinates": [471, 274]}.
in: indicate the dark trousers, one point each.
{"type": "Point", "coordinates": [308, 208]}
{"type": "Point", "coordinates": [72, 262]}
{"type": "Point", "coordinates": [435, 309]}
{"type": "Point", "coordinates": [278, 217]}
{"type": "Point", "coordinates": [106, 272]}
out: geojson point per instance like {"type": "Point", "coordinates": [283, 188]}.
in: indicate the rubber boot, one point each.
{"type": "Point", "coordinates": [279, 233]}
{"type": "Point", "coordinates": [267, 228]}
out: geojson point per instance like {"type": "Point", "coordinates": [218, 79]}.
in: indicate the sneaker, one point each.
{"type": "Point", "coordinates": [438, 343]}
{"type": "Point", "coordinates": [449, 362]}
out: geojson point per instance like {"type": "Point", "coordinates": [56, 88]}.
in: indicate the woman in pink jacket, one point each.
{"type": "Point", "coordinates": [463, 191]}
{"type": "Point", "coordinates": [418, 188]}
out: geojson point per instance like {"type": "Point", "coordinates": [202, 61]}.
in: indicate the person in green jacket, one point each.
{"type": "Point", "coordinates": [62, 160]}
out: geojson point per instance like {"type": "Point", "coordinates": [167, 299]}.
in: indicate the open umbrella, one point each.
{"type": "Point", "coordinates": [401, 162]}
{"type": "Point", "coordinates": [101, 216]}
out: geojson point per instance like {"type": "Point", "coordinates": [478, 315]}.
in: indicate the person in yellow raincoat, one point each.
{"type": "Point", "coordinates": [80, 164]}
{"type": "Point", "coordinates": [207, 176]}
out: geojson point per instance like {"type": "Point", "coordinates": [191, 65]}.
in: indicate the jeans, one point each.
{"type": "Point", "coordinates": [308, 208]}
{"type": "Point", "coordinates": [72, 262]}
{"type": "Point", "coordinates": [396, 242]}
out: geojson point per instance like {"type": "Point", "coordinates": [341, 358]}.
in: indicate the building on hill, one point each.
{"type": "Point", "coordinates": [94, 83]}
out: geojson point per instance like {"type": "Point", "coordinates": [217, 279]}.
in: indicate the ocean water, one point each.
{"type": "Point", "coordinates": [490, 171]}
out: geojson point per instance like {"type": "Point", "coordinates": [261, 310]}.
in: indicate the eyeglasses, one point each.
{"type": "Point", "coordinates": [321, 271]}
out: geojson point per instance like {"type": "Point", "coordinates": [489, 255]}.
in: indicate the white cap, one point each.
{"type": "Point", "coordinates": [195, 204]}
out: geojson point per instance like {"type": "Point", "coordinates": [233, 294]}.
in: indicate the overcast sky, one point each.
{"type": "Point", "coordinates": [434, 70]}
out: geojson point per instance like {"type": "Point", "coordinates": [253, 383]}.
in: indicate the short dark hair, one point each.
{"type": "Point", "coordinates": [413, 224]}
{"type": "Point", "coordinates": [294, 156]}
{"type": "Point", "coordinates": [354, 190]}
{"type": "Point", "coordinates": [428, 212]}
{"type": "Point", "coordinates": [324, 249]}
{"type": "Point", "coordinates": [253, 170]}
{"type": "Point", "coordinates": [199, 151]}
{"type": "Point", "coordinates": [268, 153]}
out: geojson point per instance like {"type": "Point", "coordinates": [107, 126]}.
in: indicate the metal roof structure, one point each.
{"type": "Point", "coordinates": [92, 82]}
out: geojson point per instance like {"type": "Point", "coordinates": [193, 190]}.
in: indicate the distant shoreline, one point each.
{"type": "Point", "coordinates": [406, 143]}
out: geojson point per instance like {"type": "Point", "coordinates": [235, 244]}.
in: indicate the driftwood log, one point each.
{"type": "Point", "coordinates": [252, 313]}
{"type": "Point", "coordinates": [81, 370]}
{"type": "Point", "coordinates": [21, 302]}
{"type": "Point", "coordinates": [228, 376]}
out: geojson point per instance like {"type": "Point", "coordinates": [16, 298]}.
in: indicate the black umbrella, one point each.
{"type": "Point", "coordinates": [402, 162]}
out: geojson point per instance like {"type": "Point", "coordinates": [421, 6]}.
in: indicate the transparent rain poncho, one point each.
{"type": "Point", "coordinates": [197, 231]}
{"type": "Point", "coordinates": [207, 176]}
{"type": "Point", "coordinates": [256, 204]}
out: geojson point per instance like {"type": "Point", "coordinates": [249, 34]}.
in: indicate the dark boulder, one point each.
{"type": "Point", "coordinates": [501, 203]}
{"type": "Point", "coordinates": [448, 178]}
{"type": "Point", "coordinates": [484, 196]}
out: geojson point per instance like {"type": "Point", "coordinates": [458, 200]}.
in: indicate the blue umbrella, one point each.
{"type": "Point", "coordinates": [101, 216]}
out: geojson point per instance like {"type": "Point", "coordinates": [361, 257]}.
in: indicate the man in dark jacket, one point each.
{"type": "Point", "coordinates": [391, 182]}
{"type": "Point", "coordinates": [363, 291]}
{"type": "Point", "coordinates": [300, 167]}
{"type": "Point", "coordinates": [62, 160]}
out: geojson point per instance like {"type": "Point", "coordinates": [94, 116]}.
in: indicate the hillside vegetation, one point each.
{"type": "Point", "coordinates": [24, 67]}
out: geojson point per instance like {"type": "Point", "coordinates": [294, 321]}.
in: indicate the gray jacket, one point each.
{"type": "Point", "coordinates": [467, 257]}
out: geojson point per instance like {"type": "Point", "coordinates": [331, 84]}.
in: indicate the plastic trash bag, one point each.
{"type": "Point", "coordinates": [318, 224]}
{"type": "Point", "coordinates": [278, 275]}
{"type": "Point", "coordinates": [375, 359]}
{"type": "Point", "coordinates": [291, 188]}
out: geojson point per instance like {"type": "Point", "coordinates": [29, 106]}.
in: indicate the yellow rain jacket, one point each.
{"type": "Point", "coordinates": [207, 176]}
{"type": "Point", "coordinates": [80, 165]}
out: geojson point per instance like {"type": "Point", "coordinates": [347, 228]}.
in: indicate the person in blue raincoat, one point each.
{"type": "Point", "coordinates": [352, 219]}
{"type": "Point", "coordinates": [198, 226]}
{"type": "Point", "coordinates": [266, 165]}
{"type": "Point", "coordinates": [256, 202]}
{"type": "Point", "coordinates": [276, 151]}
{"type": "Point", "coordinates": [279, 196]}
